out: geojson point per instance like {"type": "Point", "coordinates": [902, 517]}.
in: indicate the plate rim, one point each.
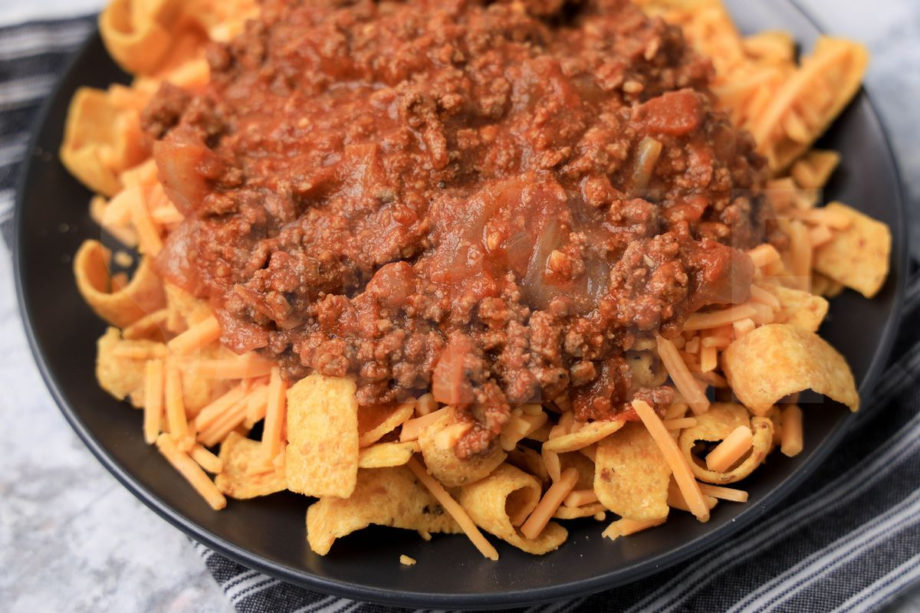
{"type": "Point", "coordinates": [583, 587]}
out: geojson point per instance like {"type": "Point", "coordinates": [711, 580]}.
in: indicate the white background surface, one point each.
{"type": "Point", "coordinates": [72, 539]}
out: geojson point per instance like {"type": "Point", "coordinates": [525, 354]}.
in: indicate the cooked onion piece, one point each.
{"type": "Point", "coordinates": [647, 156]}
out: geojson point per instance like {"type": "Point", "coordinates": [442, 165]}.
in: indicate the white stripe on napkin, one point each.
{"type": "Point", "coordinates": [844, 488]}
{"type": "Point", "coordinates": [243, 589]}
{"type": "Point", "coordinates": [884, 588]}
{"type": "Point", "coordinates": [20, 11]}
{"type": "Point", "coordinates": [25, 90]}
{"type": "Point", "coordinates": [36, 39]}
{"type": "Point", "coordinates": [13, 149]}
{"type": "Point", "coordinates": [825, 560]}
{"type": "Point", "coordinates": [6, 203]}
{"type": "Point", "coordinates": [313, 606]}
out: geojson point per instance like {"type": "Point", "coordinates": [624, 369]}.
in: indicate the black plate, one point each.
{"type": "Point", "coordinates": [268, 534]}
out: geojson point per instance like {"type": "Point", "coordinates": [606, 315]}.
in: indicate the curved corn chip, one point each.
{"type": "Point", "coordinates": [584, 466]}
{"type": "Point", "coordinates": [631, 476]}
{"type": "Point", "coordinates": [812, 170]}
{"type": "Point", "coordinates": [505, 498]}
{"type": "Point", "coordinates": [825, 82]}
{"type": "Point", "coordinates": [376, 421]}
{"type": "Point", "coordinates": [143, 294]}
{"type": "Point", "coordinates": [776, 360]}
{"type": "Point", "coordinates": [384, 496]}
{"type": "Point", "coordinates": [142, 35]}
{"type": "Point", "coordinates": [770, 46]}
{"type": "Point", "coordinates": [100, 140]}
{"type": "Point", "coordinates": [713, 426]}
{"type": "Point", "coordinates": [246, 472]}
{"type": "Point", "coordinates": [858, 255]}
{"type": "Point", "coordinates": [138, 33]}
{"type": "Point", "coordinates": [587, 510]}
{"type": "Point", "coordinates": [198, 392]}
{"type": "Point", "coordinates": [117, 371]}
{"type": "Point", "coordinates": [799, 308]}
{"type": "Point", "coordinates": [530, 461]}
{"type": "Point", "coordinates": [183, 310]}
{"type": "Point", "coordinates": [437, 444]}
{"type": "Point", "coordinates": [383, 455]}
{"type": "Point", "coordinates": [586, 434]}
{"type": "Point", "coordinates": [321, 458]}
{"type": "Point", "coordinates": [149, 327]}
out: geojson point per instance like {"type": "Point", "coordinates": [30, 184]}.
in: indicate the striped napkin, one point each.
{"type": "Point", "coordinates": [847, 540]}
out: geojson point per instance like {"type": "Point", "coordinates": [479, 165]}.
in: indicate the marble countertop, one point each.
{"type": "Point", "coordinates": [72, 539]}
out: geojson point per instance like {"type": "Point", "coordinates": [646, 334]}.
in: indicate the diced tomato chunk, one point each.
{"type": "Point", "coordinates": [675, 113]}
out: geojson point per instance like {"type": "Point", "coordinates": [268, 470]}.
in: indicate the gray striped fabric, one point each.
{"type": "Point", "coordinates": [31, 56]}
{"type": "Point", "coordinates": [848, 540]}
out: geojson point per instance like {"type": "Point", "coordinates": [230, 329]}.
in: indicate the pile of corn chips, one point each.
{"type": "Point", "coordinates": [395, 466]}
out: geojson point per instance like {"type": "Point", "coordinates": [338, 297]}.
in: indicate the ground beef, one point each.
{"type": "Point", "coordinates": [492, 200]}
{"type": "Point", "coordinates": [165, 110]}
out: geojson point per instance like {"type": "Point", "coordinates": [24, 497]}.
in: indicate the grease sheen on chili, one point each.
{"type": "Point", "coordinates": [492, 201]}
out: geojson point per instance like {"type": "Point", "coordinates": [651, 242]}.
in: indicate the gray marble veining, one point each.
{"type": "Point", "coordinates": [72, 539]}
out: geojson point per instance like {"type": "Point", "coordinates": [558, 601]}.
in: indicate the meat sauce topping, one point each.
{"type": "Point", "coordinates": [492, 201]}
